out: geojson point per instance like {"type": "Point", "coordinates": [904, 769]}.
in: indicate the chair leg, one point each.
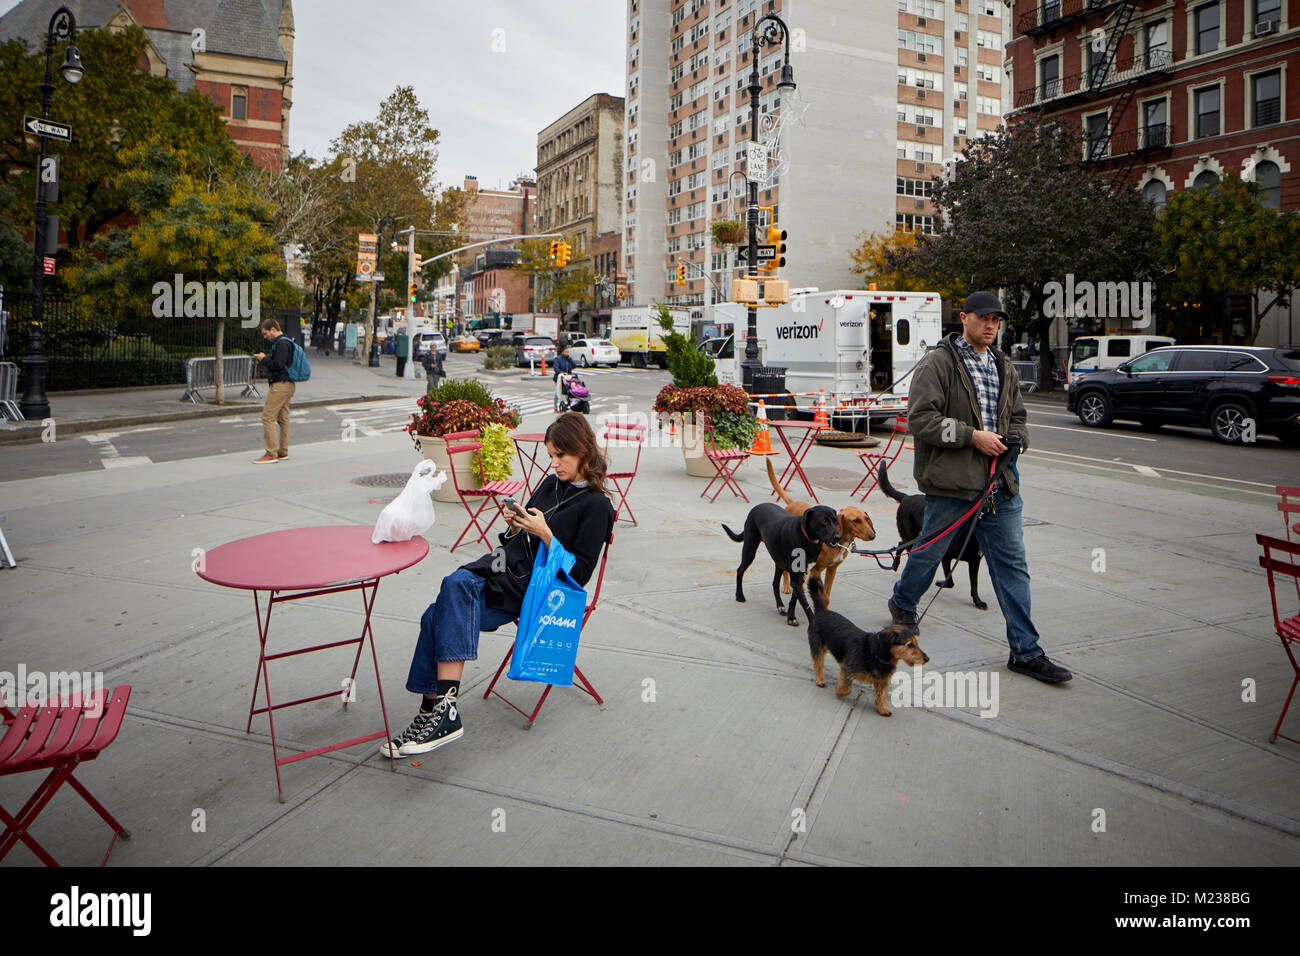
{"type": "Point", "coordinates": [473, 523]}
{"type": "Point", "coordinates": [1285, 707]}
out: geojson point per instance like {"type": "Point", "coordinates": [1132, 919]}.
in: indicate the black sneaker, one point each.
{"type": "Point", "coordinates": [1040, 668]}
{"type": "Point", "coordinates": [899, 616]}
{"type": "Point", "coordinates": [428, 731]}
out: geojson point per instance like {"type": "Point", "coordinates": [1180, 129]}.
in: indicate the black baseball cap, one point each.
{"type": "Point", "coordinates": [982, 303]}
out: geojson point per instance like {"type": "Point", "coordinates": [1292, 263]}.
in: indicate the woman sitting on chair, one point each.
{"type": "Point", "coordinates": [571, 507]}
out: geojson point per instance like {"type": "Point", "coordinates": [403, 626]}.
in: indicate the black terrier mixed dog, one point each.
{"type": "Point", "coordinates": [794, 542]}
{"type": "Point", "coordinates": [910, 518]}
{"type": "Point", "coordinates": [862, 656]}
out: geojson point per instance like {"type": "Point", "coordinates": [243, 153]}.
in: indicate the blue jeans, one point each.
{"type": "Point", "coordinates": [450, 627]}
{"type": "Point", "coordinates": [1001, 538]}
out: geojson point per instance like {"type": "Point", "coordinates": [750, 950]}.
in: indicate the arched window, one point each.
{"type": "Point", "coordinates": [1206, 179]}
{"type": "Point", "coordinates": [1154, 193]}
{"type": "Point", "coordinates": [1269, 179]}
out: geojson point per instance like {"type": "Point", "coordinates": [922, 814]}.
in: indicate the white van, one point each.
{"type": "Point", "coordinates": [1093, 353]}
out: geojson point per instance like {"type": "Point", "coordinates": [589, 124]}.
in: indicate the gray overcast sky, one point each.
{"type": "Point", "coordinates": [488, 106]}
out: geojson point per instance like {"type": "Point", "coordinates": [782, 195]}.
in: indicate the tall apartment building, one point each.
{"type": "Point", "coordinates": [876, 114]}
{"type": "Point", "coordinates": [1173, 95]}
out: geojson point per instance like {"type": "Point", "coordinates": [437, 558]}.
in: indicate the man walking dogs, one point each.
{"type": "Point", "coordinates": [964, 397]}
{"type": "Point", "coordinates": [280, 391]}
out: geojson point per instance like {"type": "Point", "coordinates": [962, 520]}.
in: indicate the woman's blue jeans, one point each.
{"type": "Point", "coordinates": [450, 627]}
{"type": "Point", "coordinates": [1001, 538]}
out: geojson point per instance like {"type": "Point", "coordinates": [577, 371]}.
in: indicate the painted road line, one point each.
{"type": "Point", "coordinates": [1092, 431]}
{"type": "Point", "coordinates": [1145, 470]}
{"type": "Point", "coordinates": [1166, 474]}
{"type": "Point", "coordinates": [109, 456]}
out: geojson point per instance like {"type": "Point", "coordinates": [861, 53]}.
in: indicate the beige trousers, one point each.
{"type": "Point", "coordinates": [276, 412]}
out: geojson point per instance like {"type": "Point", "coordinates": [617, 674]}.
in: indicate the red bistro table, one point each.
{"type": "Point", "coordinates": [315, 561]}
{"type": "Point", "coordinates": [798, 453]}
{"type": "Point", "coordinates": [528, 457]}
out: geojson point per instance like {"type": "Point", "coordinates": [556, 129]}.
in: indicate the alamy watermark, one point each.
{"type": "Point", "coordinates": [34, 688]}
{"type": "Point", "coordinates": [947, 689]}
{"type": "Point", "coordinates": [208, 300]}
{"type": "Point", "coordinates": [1099, 300]}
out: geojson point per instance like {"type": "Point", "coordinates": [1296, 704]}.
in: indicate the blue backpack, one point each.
{"type": "Point", "coordinates": [298, 369]}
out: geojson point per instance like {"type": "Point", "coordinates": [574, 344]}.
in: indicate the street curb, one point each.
{"type": "Point", "coordinates": [32, 431]}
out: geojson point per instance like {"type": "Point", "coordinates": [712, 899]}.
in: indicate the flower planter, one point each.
{"type": "Point", "coordinates": [697, 465]}
{"type": "Point", "coordinates": [435, 449]}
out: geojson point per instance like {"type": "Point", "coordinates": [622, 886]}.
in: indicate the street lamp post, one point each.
{"type": "Point", "coordinates": [772, 34]}
{"type": "Point", "coordinates": [374, 292]}
{"type": "Point", "coordinates": [34, 404]}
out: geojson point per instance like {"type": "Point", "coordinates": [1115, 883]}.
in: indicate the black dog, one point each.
{"type": "Point", "coordinates": [862, 656]}
{"type": "Point", "coordinates": [794, 542]}
{"type": "Point", "coordinates": [911, 516]}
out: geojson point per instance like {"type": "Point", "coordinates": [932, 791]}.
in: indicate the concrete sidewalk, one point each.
{"type": "Point", "coordinates": [713, 746]}
{"type": "Point", "coordinates": [334, 379]}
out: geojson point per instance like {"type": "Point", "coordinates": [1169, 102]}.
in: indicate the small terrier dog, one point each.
{"type": "Point", "coordinates": [862, 655]}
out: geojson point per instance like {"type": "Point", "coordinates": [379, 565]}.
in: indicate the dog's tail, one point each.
{"type": "Point", "coordinates": [732, 535]}
{"type": "Point", "coordinates": [776, 485]}
{"type": "Point", "coordinates": [886, 487]}
{"type": "Point", "coordinates": [815, 591]}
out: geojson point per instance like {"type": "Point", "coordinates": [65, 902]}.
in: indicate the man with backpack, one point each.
{"type": "Point", "coordinates": [278, 361]}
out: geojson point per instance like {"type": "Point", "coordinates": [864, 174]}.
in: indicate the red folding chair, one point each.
{"type": "Point", "coordinates": [1290, 508]}
{"type": "Point", "coordinates": [618, 431]}
{"type": "Point", "coordinates": [725, 462]}
{"type": "Point", "coordinates": [888, 455]}
{"type": "Point", "coordinates": [582, 684]}
{"type": "Point", "coordinates": [58, 737]}
{"type": "Point", "coordinates": [1288, 628]}
{"type": "Point", "coordinates": [490, 492]}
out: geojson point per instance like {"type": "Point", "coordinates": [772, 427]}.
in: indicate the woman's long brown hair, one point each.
{"type": "Point", "coordinates": [571, 435]}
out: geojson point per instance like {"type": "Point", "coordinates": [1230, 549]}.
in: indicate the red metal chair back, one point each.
{"type": "Point", "coordinates": [458, 442]}
{"type": "Point", "coordinates": [1282, 558]}
{"type": "Point", "coordinates": [887, 455]}
{"type": "Point", "coordinates": [619, 431]}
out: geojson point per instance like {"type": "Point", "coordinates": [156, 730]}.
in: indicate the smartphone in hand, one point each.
{"type": "Point", "coordinates": [514, 506]}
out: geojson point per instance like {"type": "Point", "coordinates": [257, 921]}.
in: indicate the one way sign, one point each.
{"type": "Point", "coordinates": [47, 128]}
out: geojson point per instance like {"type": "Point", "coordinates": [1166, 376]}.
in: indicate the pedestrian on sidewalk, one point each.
{"type": "Point", "coordinates": [433, 370]}
{"type": "Point", "coordinates": [275, 413]}
{"type": "Point", "coordinates": [564, 367]}
{"type": "Point", "coordinates": [570, 506]}
{"type": "Point", "coordinates": [965, 396]}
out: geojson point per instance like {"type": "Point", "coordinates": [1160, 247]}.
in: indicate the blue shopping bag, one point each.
{"type": "Point", "coordinates": [550, 621]}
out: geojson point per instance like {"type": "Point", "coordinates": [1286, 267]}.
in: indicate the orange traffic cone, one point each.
{"type": "Point", "coordinates": [821, 417]}
{"type": "Point", "coordinates": [762, 439]}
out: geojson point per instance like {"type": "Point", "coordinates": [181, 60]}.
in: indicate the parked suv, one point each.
{"type": "Point", "coordinates": [534, 348]}
{"type": "Point", "coordinates": [1220, 387]}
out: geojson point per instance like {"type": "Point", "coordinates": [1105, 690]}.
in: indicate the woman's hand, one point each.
{"type": "Point", "coordinates": [533, 523]}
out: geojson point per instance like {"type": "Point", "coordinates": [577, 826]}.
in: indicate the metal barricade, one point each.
{"type": "Point", "coordinates": [201, 373]}
{"type": "Point", "coordinates": [9, 392]}
{"type": "Point", "coordinates": [1028, 372]}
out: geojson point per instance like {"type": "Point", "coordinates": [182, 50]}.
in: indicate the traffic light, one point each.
{"type": "Point", "coordinates": [566, 253]}
{"type": "Point", "coordinates": [417, 263]}
{"type": "Point", "coordinates": [555, 252]}
{"type": "Point", "coordinates": [412, 290]}
{"type": "Point", "coordinates": [681, 274]}
{"type": "Point", "coordinates": [776, 237]}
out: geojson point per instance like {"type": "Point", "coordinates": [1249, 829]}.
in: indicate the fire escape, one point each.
{"type": "Point", "coordinates": [1106, 76]}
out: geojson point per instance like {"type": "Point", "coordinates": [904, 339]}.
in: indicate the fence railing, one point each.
{"type": "Point", "coordinates": [90, 351]}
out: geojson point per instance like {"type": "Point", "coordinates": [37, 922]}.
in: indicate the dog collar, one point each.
{"type": "Point", "coordinates": [805, 534]}
{"type": "Point", "coordinates": [881, 659]}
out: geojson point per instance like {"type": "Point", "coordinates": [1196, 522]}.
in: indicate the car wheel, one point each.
{"type": "Point", "coordinates": [1228, 422]}
{"type": "Point", "coordinates": [1094, 410]}
{"type": "Point", "coordinates": [583, 361]}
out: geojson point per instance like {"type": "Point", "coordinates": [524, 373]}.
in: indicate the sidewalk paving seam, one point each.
{"type": "Point", "coordinates": [812, 803]}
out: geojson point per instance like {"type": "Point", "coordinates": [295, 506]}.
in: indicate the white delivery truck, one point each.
{"type": "Point", "coordinates": [859, 346]}
{"type": "Point", "coordinates": [635, 331]}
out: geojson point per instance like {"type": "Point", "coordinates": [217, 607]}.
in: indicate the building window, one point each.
{"type": "Point", "coordinates": [239, 103]}
{"type": "Point", "coordinates": [1049, 72]}
{"type": "Point", "coordinates": [1207, 28]}
{"type": "Point", "coordinates": [1206, 179]}
{"type": "Point", "coordinates": [1268, 16]}
{"type": "Point", "coordinates": [1207, 112]}
{"type": "Point", "coordinates": [1098, 141]}
{"type": "Point", "coordinates": [1154, 193]}
{"type": "Point", "coordinates": [1266, 90]}
{"type": "Point", "coordinates": [1157, 44]}
{"type": "Point", "coordinates": [1155, 126]}
{"type": "Point", "coordinates": [1269, 179]}
{"type": "Point", "coordinates": [1096, 65]}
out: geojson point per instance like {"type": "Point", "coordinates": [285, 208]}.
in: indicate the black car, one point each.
{"type": "Point", "coordinates": [1221, 387]}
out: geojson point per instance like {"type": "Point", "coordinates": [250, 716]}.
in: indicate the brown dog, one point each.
{"type": "Point", "coordinates": [854, 524]}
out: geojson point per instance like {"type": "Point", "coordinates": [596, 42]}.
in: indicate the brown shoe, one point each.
{"type": "Point", "coordinates": [284, 454]}
{"type": "Point", "coordinates": [265, 460]}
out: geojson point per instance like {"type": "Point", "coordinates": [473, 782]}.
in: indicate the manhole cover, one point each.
{"type": "Point", "coordinates": [837, 439]}
{"type": "Point", "coordinates": [397, 480]}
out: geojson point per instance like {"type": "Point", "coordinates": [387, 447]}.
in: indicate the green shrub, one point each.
{"type": "Point", "coordinates": [461, 389]}
{"type": "Point", "coordinates": [690, 367]}
{"type": "Point", "coordinates": [732, 430]}
{"type": "Point", "coordinates": [498, 356]}
{"type": "Point", "coordinates": [497, 454]}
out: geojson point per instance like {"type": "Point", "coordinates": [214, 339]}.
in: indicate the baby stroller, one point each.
{"type": "Point", "coordinates": [575, 396]}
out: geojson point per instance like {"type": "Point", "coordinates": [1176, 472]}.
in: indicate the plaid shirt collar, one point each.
{"type": "Point", "coordinates": [983, 371]}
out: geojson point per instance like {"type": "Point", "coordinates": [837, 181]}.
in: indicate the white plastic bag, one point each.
{"type": "Point", "coordinates": [411, 512]}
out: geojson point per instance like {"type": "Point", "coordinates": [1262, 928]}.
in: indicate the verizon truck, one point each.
{"type": "Point", "coordinates": [859, 346]}
{"type": "Point", "coordinates": [635, 331]}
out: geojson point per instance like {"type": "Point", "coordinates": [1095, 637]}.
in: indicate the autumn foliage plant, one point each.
{"type": "Point", "coordinates": [459, 405]}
